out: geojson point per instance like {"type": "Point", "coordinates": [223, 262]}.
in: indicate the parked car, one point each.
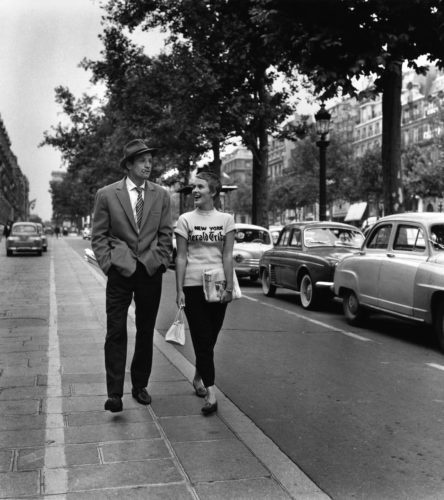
{"type": "Point", "coordinates": [24, 238]}
{"type": "Point", "coordinates": [43, 236]}
{"type": "Point", "coordinates": [250, 242]}
{"type": "Point", "coordinates": [86, 233]}
{"type": "Point", "coordinates": [399, 270]}
{"type": "Point", "coordinates": [304, 259]}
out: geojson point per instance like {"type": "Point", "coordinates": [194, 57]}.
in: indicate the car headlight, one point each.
{"type": "Point", "coordinates": [238, 258]}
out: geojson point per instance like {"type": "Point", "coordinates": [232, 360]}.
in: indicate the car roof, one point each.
{"type": "Point", "coordinates": [416, 216]}
{"type": "Point", "coordinates": [241, 225]}
{"type": "Point", "coordinates": [24, 223]}
{"type": "Point", "coordinates": [315, 223]}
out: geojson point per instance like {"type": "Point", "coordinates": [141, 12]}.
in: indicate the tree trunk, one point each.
{"type": "Point", "coordinates": [391, 139]}
{"type": "Point", "coordinates": [215, 146]}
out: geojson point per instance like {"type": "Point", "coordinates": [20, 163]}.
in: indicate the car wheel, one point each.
{"type": "Point", "coordinates": [353, 311]}
{"type": "Point", "coordinates": [308, 294]}
{"type": "Point", "coordinates": [267, 287]}
{"type": "Point", "coordinates": [45, 249]}
{"type": "Point", "coordinates": [438, 323]}
{"type": "Point", "coordinates": [39, 253]}
{"type": "Point", "coordinates": [9, 253]}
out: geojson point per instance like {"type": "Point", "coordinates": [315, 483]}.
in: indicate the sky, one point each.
{"type": "Point", "coordinates": [42, 43]}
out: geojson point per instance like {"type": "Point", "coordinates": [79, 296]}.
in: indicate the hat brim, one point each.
{"type": "Point", "coordinates": [141, 152]}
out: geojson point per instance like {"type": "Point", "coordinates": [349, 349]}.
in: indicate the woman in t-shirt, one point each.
{"type": "Point", "coordinates": [204, 239]}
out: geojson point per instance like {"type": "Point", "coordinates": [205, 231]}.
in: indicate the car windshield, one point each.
{"type": "Point", "coordinates": [437, 236]}
{"type": "Point", "coordinates": [24, 229]}
{"type": "Point", "coordinates": [252, 236]}
{"type": "Point", "coordinates": [332, 237]}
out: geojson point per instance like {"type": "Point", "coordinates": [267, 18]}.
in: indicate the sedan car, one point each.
{"type": "Point", "coordinates": [24, 238]}
{"type": "Point", "coordinates": [250, 242]}
{"type": "Point", "coordinates": [399, 270]}
{"type": "Point", "coordinates": [305, 256]}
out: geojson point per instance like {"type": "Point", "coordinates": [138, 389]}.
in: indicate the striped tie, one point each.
{"type": "Point", "coordinates": [139, 206]}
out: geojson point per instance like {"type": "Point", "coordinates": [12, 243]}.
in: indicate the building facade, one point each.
{"type": "Point", "coordinates": [14, 186]}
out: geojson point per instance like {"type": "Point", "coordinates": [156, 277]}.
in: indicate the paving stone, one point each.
{"type": "Point", "coordinates": [17, 381]}
{"type": "Point", "coordinates": [176, 406]}
{"type": "Point", "coordinates": [245, 489]}
{"type": "Point", "coordinates": [135, 450]}
{"type": "Point", "coordinates": [195, 428]}
{"type": "Point", "coordinates": [78, 454]}
{"type": "Point", "coordinates": [80, 419]}
{"type": "Point", "coordinates": [20, 422]}
{"type": "Point", "coordinates": [5, 460]}
{"type": "Point", "coordinates": [158, 492]}
{"type": "Point", "coordinates": [22, 438]}
{"type": "Point", "coordinates": [20, 393]}
{"type": "Point", "coordinates": [165, 373]}
{"type": "Point", "coordinates": [28, 407]}
{"type": "Point", "coordinates": [136, 473]}
{"type": "Point", "coordinates": [17, 484]}
{"type": "Point", "coordinates": [108, 432]}
{"type": "Point", "coordinates": [218, 461]}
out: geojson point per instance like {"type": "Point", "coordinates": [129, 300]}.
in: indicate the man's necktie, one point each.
{"type": "Point", "coordinates": [139, 206]}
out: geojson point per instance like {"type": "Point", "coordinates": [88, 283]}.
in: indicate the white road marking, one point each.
{"type": "Point", "coordinates": [434, 365]}
{"type": "Point", "coordinates": [56, 480]}
{"type": "Point", "coordinates": [314, 321]}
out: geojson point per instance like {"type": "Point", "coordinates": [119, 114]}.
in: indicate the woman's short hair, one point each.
{"type": "Point", "coordinates": [213, 180]}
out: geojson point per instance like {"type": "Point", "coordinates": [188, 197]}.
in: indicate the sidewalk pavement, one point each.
{"type": "Point", "coordinates": [57, 442]}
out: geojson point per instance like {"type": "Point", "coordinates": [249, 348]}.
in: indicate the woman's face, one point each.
{"type": "Point", "coordinates": [203, 197]}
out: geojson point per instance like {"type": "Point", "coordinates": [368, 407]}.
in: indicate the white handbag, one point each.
{"type": "Point", "coordinates": [176, 332]}
{"type": "Point", "coordinates": [214, 284]}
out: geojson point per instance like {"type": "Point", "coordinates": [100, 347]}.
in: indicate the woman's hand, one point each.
{"type": "Point", "coordinates": [180, 299]}
{"type": "Point", "coordinates": [226, 297]}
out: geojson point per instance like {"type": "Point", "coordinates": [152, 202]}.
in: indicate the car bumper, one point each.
{"type": "Point", "coordinates": [247, 270]}
{"type": "Point", "coordinates": [17, 248]}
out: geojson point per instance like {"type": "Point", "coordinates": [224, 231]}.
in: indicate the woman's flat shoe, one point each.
{"type": "Point", "coordinates": [209, 408]}
{"type": "Point", "coordinates": [200, 390]}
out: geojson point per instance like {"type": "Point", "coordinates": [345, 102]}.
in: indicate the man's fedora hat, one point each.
{"type": "Point", "coordinates": [134, 148]}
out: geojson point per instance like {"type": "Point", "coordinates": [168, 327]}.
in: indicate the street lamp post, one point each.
{"type": "Point", "coordinates": [322, 118]}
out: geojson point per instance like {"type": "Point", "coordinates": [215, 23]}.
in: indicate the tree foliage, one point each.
{"type": "Point", "coordinates": [336, 42]}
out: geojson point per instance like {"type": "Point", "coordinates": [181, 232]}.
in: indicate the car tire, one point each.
{"type": "Point", "coordinates": [308, 294]}
{"type": "Point", "coordinates": [9, 253]}
{"type": "Point", "coordinates": [45, 249]}
{"type": "Point", "coordinates": [267, 287]}
{"type": "Point", "coordinates": [39, 253]}
{"type": "Point", "coordinates": [353, 311]}
{"type": "Point", "coordinates": [438, 323]}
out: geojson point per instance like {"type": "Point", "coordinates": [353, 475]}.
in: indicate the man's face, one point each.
{"type": "Point", "coordinates": [139, 169]}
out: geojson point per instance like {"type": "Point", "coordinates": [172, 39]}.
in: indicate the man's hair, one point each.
{"type": "Point", "coordinates": [213, 181]}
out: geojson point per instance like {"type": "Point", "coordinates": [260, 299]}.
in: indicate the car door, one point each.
{"type": "Point", "coordinates": [280, 257]}
{"type": "Point", "coordinates": [292, 259]}
{"type": "Point", "coordinates": [368, 265]}
{"type": "Point", "coordinates": [399, 269]}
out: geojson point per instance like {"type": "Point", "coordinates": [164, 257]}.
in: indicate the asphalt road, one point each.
{"type": "Point", "coordinates": [359, 410]}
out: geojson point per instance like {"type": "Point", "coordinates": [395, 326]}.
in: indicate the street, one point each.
{"type": "Point", "coordinates": [359, 410]}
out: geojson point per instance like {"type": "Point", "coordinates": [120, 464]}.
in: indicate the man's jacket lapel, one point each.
{"type": "Point", "coordinates": [123, 196]}
{"type": "Point", "coordinates": [148, 201]}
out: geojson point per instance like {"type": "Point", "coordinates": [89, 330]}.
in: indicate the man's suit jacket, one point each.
{"type": "Point", "coordinates": [115, 239]}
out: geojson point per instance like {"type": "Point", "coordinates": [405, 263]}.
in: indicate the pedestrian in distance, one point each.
{"type": "Point", "coordinates": [7, 229]}
{"type": "Point", "coordinates": [204, 239]}
{"type": "Point", "coordinates": [132, 241]}
{"type": "Point", "coordinates": [57, 232]}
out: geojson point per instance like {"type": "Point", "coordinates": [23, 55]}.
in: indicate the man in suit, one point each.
{"type": "Point", "coordinates": [132, 241]}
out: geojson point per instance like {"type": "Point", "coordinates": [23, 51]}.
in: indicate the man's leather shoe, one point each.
{"type": "Point", "coordinates": [114, 404]}
{"type": "Point", "coordinates": [209, 408]}
{"type": "Point", "coordinates": [141, 396]}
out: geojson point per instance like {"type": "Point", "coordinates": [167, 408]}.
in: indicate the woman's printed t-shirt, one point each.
{"type": "Point", "coordinates": [205, 232]}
